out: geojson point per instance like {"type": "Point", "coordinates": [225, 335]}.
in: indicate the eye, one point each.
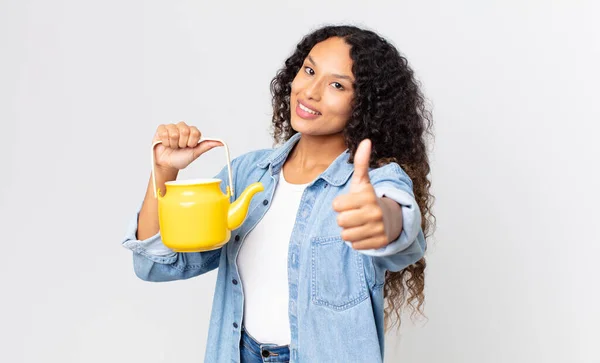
{"type": "Point", "coordinates": [309, 70]}
{"type": "Point", "coordinates": [337, 85]}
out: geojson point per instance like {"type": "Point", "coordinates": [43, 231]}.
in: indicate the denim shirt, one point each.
{"type": "Point", "coordinates": [336, 300]}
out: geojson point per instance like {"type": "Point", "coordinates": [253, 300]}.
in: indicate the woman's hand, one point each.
{"type": "Point", "coordinates": [179, 146]}
{"type": "Point", "coordinates": [368, 222]}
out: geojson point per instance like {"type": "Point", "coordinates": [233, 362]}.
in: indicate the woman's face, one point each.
{"type": "Point", "coordinates": [322, 92]}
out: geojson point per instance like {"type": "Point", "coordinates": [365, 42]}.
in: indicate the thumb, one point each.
{"type": "Point", "coordinates": [204, 146]}
{"type": "Point", "coordinates": [361, 163]}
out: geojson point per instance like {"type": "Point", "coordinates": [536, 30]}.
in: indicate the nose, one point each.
{"type": "Point", "coordinates": [313, 89]}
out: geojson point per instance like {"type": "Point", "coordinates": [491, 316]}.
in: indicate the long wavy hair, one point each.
{"type": "Point", "coordinates": [388, 108]}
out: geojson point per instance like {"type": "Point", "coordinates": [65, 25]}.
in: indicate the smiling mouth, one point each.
{"type": "Point", "coordinates": [306, 109]}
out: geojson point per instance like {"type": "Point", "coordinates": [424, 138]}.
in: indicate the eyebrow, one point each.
{"type": "Point", "coordinates": [335, 75]}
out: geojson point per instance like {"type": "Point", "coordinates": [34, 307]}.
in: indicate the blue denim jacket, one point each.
{"type": "Point", "coordinates": [335, 292]}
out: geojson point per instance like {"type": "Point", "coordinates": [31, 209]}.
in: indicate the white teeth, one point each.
{"type": "Point", "coordinates": [304, 108]}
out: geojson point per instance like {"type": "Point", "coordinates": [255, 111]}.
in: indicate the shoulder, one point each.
{"type": "Point", "coordinates": [252, 158]}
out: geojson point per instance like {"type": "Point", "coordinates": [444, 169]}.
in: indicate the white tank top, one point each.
{"type": "Point", "coordinates": [262, 264]}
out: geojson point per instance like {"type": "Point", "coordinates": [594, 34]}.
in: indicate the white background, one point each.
{"type": "Point", "coordinates": [514, 85]}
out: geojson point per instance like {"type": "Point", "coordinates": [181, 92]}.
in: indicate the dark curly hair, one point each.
{"type": "Point", "coordinates": [389, 109]}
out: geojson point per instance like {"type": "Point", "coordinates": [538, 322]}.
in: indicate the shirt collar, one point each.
{"type": "Point", "coordinates": [337, 174]}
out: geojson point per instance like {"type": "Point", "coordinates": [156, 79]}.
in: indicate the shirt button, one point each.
{"type": "Point", "coordinates": [234, 281]}
{"type": "Point", "coordinates": [265, 202]}
{"type": "Point", "coordinates": [235, 325]}
{"type": "Point", "coordinates": [237, 238]}
{"type": "Point", "coordinates": [325, 186]}
{"type": "Point", "coordinates": [265, 353]}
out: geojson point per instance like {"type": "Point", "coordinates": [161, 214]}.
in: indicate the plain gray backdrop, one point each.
{"type": "Point", "coordinates": [513, 272]}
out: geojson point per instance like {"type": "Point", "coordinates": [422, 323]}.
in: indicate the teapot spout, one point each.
{"type": "Point", "coordinates": [239, 209]}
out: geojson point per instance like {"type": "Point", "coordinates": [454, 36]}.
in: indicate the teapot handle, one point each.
{"type": "Point", "coordinates": [229, 188]}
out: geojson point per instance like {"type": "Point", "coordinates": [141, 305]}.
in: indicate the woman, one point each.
{"type": "Point", "coordinates": [341, 225]}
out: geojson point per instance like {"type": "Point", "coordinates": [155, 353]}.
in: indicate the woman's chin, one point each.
{"type": "Point", "coordinates": [306, 128]}
{"type": "Point", "coordinates": [299, 125]}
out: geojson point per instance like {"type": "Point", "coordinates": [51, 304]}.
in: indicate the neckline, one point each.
{"type": "Point", "coordinates": [297, 187]}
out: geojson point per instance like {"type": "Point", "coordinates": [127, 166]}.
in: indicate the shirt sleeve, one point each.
{"type": "Point", "coordinates": [151, 248]}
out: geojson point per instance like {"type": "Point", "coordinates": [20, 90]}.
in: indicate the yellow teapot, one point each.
{"type": "Point", "coordinates": [194, 215]}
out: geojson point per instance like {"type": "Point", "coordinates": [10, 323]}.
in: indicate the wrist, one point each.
{"type": "Point", "coordinates": [165, 173]}
{"type": "Point", "coordinates": [392, 218]}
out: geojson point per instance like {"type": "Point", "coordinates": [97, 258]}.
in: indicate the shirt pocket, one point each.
{"type": "Point", "coordinates": [337, 274]}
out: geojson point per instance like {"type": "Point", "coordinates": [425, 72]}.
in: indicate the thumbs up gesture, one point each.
{"type": "Point", "coordinates": [363, 216]}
